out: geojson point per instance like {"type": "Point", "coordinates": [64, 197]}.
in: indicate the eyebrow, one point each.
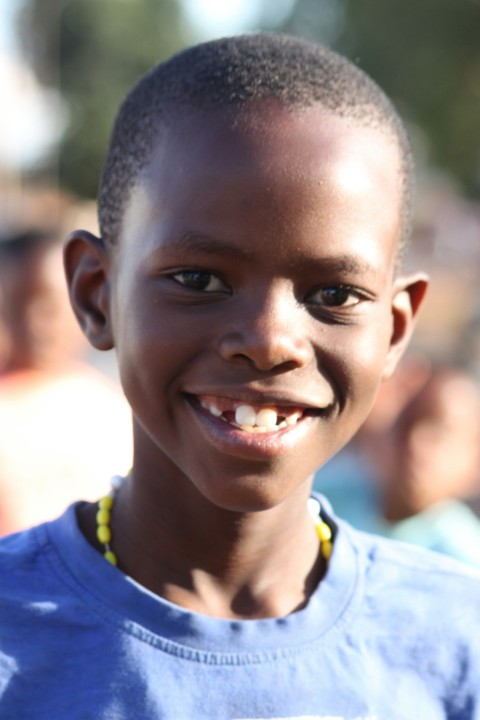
{"type": "Point", "coordinates": [345, 263]}
{"type": "Point", "coordinates": [190, 242]}
{"type": "Point", "coordinates": [198, 243]}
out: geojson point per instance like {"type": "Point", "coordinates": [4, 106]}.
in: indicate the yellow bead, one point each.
{"type": "Point", "coordinates": [111, 557]}
{"type": "Point", "coordinates": [103, 534]}
{"type": "Point", "coordinates": [103, 517]}
{"type": "Point", "coordinates": [323, 531]}
{"type": "Point", "coordinates": [326, 549]}
{"type": "Point", "coordinates": [105, 503]}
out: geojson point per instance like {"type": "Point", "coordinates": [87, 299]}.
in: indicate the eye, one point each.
{"type": "Point", "coordinates": [200, 280]}
{"type": "Point", "coordinates": [337, 296]}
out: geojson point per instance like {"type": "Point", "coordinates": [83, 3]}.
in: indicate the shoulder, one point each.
{"type": "Point", "coordinates": [418, 609]}
{"type": "Point", "coordinates": [22, 566]}
{"type": "Point", "coordinates": [40, 593]}
{"type": "Point", "coordinates": [414, 583]}
{"type": "Point", "coordinates": [32, 567]}
{"type": "Point", "coordinates": [21, 547]}
{"type": "Point", "coordinates": [401, 559]}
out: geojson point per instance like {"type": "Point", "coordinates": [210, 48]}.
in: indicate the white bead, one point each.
{"type": "Point", "coordinates": [314, 507]}
{"type": "Point", "coordinates": [116, 482]}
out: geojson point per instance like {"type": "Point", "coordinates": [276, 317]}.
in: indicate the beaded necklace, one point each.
{"type": "Point", "coordinates": [105, 505]}
{"type": "Point", "coordinates": [104, 533]}
{"type": "Point", "coordinates": [324, 531]}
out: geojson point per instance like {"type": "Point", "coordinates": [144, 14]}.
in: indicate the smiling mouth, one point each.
{"type": "Point", "coordinates": [255, 418]}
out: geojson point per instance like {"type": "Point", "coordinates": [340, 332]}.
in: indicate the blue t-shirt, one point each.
{"type": "Point", "coordinates": [391, 633]}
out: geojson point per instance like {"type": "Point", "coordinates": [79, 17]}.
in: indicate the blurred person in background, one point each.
{"type": "Point", "coordinates": [411, 477]}
{"type": "Point", "coordinates": [47, 391]}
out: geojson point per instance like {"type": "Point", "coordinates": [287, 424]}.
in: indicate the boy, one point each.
{"type": "Point", "coordinates": [254, 198]}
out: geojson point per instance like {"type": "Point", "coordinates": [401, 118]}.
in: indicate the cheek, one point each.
{"type": "Point", "coordinates": [144, 352]}
{"type": "Point", "coordinates": [155, 348]}
{"type": "Point", "coordinates": [361, 363]}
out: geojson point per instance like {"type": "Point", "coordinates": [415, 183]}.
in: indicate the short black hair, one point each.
{"type": "Point", "coordinates": [230, 73]}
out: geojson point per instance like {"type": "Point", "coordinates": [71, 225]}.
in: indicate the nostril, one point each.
{"type": "Point", "coordinates": [267, 364]}
{"type": "Point", "coordinates": [281, 352]}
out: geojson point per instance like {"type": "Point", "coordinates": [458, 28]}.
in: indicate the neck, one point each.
{"type": "Point", "coordinates": [214, 561]}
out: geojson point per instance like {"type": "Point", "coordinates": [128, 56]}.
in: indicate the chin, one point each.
{"type": "Point", "coordinates": [249, 494]}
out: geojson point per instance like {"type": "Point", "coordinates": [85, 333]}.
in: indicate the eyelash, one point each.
{"type": "Point", "coordinates": [200, 280]}
{"type": "Point", "coordinates": [195, 277]}
{"type": "Point", "coordinates": [339, 292]}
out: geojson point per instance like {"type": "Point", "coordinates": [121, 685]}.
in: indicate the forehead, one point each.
{"type": "Point", "coordinates": [289, 167]}
{"type": "Point", "coordinates": [268, 134]}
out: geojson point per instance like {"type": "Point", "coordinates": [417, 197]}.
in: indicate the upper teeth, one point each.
{"type": "Point", "coordinates": [266, 418]}
{"type": "Point", "coordinates": [214, 410]}
{"type": "Point", "coordinates": [263, 420]}
{"type": "Point", "coordinates": [245, 415]}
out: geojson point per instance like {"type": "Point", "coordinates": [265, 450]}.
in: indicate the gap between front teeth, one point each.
{"type": "Point", "coordinates": [246, 417]}
{"type": "Point", "coordinates": [262, 421]}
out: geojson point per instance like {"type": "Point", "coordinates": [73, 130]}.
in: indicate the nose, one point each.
{"type": "Point", "coordinates": [269, 332]}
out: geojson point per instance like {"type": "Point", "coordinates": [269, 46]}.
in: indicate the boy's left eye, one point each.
{"type": "Point", "coordinates": [199, 280]}
{"type": "Point", "coordinates": [336, 296]}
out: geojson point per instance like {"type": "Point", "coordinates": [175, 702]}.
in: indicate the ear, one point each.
{"type": "Point", "coordinates": [86, 262]}
{"type": "Point", "coordinates": [408, 294]}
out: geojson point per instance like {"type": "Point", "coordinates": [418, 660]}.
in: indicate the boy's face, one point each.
{"type": "Point", "coordinates": [255, 268]}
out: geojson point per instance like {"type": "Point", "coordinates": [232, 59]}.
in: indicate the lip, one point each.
{"type": "Point", "coordinates": [231, 440]}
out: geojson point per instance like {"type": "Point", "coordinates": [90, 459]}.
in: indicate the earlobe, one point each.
{"type": "Point", "coordinates": [408, 294]}
{"type": "Point", "coordinates": [86, 265]}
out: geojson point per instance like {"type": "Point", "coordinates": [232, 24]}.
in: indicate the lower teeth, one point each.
{"type": "Point", "coordinates": [261, 429]}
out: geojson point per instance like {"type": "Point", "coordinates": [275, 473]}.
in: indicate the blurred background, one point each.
{"type": "Point", "coordinates": [65, 65]}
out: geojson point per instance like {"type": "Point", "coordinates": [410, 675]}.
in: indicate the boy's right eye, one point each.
{"type": "Point", "coordinates": [200, 280]}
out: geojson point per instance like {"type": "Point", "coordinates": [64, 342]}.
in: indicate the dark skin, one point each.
{"type": "Point", "coordinates": [255, 266]}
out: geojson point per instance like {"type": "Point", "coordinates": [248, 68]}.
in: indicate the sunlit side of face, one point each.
{"type": "Point", "coordinates": [256, 266]}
